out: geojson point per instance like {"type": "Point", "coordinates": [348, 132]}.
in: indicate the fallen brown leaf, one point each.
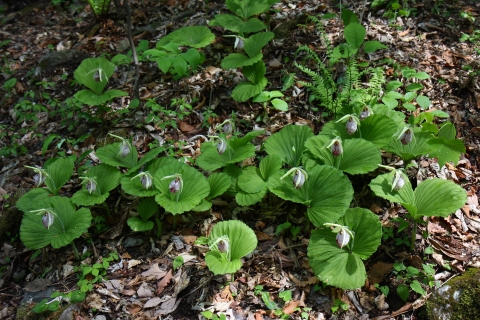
{"type": "Point", "coordinates": [164, 282]}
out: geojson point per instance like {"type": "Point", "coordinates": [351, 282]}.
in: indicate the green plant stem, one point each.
{"type": "Point", "coordinates": [107, 209]}
{"type": "Point", "coordinates": [414, 236]}
{"type": "Point", "coordinates": [337, 161]}
{"type": "Point", "coordinates": [75, 251]}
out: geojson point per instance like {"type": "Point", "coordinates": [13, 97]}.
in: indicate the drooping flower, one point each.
{"type": "Point", "coordinates": [351, 126]}
{"type": "Point", "coordinates": [221, 146]}
{"type": "Point", "coordinates": [146, 181]}
{"type": "Point", "coordinates": [48, 216]}
{"type": "Point", "coordinates": [342, 238]}
{"type": "Point", "coordinates": [298, 179]}
{"type": "Point", "coordinates": [124, 149]}
{"type": "Point", "coordinates": [337, 148]}
{"type": "Point", "coordinates": [398, 181]}
{"type": "Point", "coordinates": [40, 176]}
{"type": "Point", "coordinates": [96, 76]}
{"type": "Point", "coordinates": [91, 186]}
{"type": "Point", "coordinates": [223, 245]}
{"type": "Point", "coordinates": [344, 234]}
{"type": "Point", "coordinates": [365, 113]}
{"type": "Point", "coordinates": [406, 137]}
{"type": "Point", "coordinates": [174, 186]}
{"type": "Point", "coordinates": [48, 219]}
{"type": "Point", "coordinates": [299, 176]}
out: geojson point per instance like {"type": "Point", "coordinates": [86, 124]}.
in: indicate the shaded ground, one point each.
{"type": "Point", "coordinates": [427, 41]}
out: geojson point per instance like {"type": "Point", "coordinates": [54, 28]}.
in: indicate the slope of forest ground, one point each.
{"type": "Point", "coordinates": [142, 281]}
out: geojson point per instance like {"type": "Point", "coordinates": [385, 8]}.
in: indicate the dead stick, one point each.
{"type": "Point", "coordinates": [136, 93]}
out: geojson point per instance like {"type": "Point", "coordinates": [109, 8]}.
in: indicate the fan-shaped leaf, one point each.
{"type": "Point", "coordinates": [195, 188]}
{"type": "Point", "coordinates": [85, 73]}
{"type": "Point", "coordinates": [437, 197]}
{"type": "Point", "coordinates": [327, 193]}
{"type": "Point", "coordinates": [109, 154]}
{"type": "Point", "coordinates": [254, 44]}
{"type": "Point", "coordinates": [59, 172]}
{"type": "Point", "coordinates": [32, 199]}
{"type": "Point", "coordinates": [247, 199]}
{"type": "Point", "coordinates": [343, 267]}
{"type": "Point", "coordinates": [219, 183]}
{"type": "Point", "coordinates": [289, 143]}
{"type": "Point", "coordinates": [238, 60]}
{"type": "Point", "coordinates": [377, 128]}
{"type": "Point", "coordinates": [68, 225]}
{"type": "Point", "coordinates": [359, 155]}
{"type": "Point", "coordinates": [191, 36]}
{"type": "Point", "coordinates": [250, 180]}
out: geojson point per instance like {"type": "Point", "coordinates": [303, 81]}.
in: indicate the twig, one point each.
{"type": "Point", "coordinates": [136, 92]}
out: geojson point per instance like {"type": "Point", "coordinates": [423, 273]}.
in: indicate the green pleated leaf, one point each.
{"type": "Point", "coordinates": [247, 199]}
{"type": "Point", "coordinates": [246, 90]}
{"type": "Point", "coordinates": [147, 157]}
{"type": "Point", "coordinates": [359, 155]}
{"type": "Point", "coordinates": [377, 128]}
{"type": "Point", "coordinates": [195, 188]}
{"type": "Point", "coordinates": [59, 172]}
{"type": "Point", "coordinates": [218, 265]}
{"type": "Point", "coordinates": [238, 60]}
{"type": "Point", "coordinates": [417, 147]}
{"type": "Point", "coordinates": [327, 193]}
{"type": "Point", "coordinates": [68, 224]}
{"type": "Point", "coordinates": [211, 160]}
{"type": "Point", "coordinates": [250, 180]}
{"type": "Point", "coordinates": [252, 25]}
{"type": "Point", "coordinates": [439, 198]}
{"type": "Point", "coordinates": [109, 155]}
{"type": "Point", "coordinates": [254, 44]}
{"type": "Point", "coordinates": [382, 187]}
{"type": "Point", "coordinates": [106, 177]}
{"type": "Point", "coordinates": [32, 199]}
{"type": "Point", "coordinates": [135, 187]}
{"type": "Point", "coordinates": [147, 208]}
{"type": "Point", "coordinates": [204, 205]}
{"type": "Point", "coordinates": [84, 74]}
{"type": "Point", "coordinates": [219, 184]}
{"type": "Point", "coordinates": [269, 165]}
{"type": "Point", "coordinates": [137, 224]}
{"type": "Point", "coordinates": [289, 143]}
{"type": "Point", "coordinates": [256, 73]}
{"type": "Point", "coordinates": [191, 36]}
{"type": "Point", "coordinates": [343, 267]}
{"type": "Point", "coordinates": [247, 8]}
{"type": "Point", "coordinates": [242, 242]}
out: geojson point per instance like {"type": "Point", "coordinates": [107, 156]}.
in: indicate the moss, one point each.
{"type": "Point", "coordinates": [458, 299]}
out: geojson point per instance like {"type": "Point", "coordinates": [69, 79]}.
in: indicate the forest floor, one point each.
{"type": "Point", "coordinates": [142, 283]}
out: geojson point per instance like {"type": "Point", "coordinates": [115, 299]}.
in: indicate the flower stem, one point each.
{"type": "Point", "coordinates": [107, 209]}
{"type": "Point", "coordinates": [75, 251]}
{"type": "Point", "coordinates": [414, 236]}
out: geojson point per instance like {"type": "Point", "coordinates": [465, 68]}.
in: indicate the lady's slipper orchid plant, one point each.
{"type": "Point", "coordinates": [344, 234]}
{"type": "Point", "coordinates": [335, 146]}
{"type": "Point", "coordinates": [40, 175]}
{"type": "Point", "coordinates": [366, 112]}
{"type": "Point", "coordinates": [176, 185]}
{"type": "Point", "coordinates": [398, 181]}
{"type": "Point", "coordinates": [406, 136]}
{"type": "Point", "coordinates": [125, 147]}
{"type": "Point", "coordinates": [352, 123]}
{"type": "Point", "coordinates": [145, 178]}
{"type": "Point", "coordinates": [299, 176]}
